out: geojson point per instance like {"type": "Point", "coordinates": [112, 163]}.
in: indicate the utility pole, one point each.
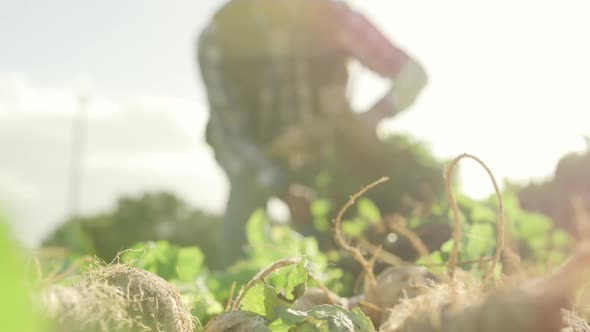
{"type": "Point", "coordinates": [77, 149]}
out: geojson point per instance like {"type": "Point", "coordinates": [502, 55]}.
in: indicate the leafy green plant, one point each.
{"type": "Point", "coordinates": [16, 308]}
{"type": "Point", "coordinates": [271, 242]}
{"type": "Point", "coordinates": [276, 307]}
{"type": "Point", "coordinates": [146, 217]}
{"type": "Point", "coordinates": [532, 235]}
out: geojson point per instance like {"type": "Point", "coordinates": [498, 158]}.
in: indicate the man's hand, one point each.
{"type": "Point", "coordinates": [298, 199]}
{"type": "Point", "coordinates": [408, 84]}
{"type": "Point", "coordinates": [382, 109]}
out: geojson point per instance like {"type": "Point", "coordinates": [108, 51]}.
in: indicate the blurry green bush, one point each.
{"type": "Point", "coordinates": [149, 217]}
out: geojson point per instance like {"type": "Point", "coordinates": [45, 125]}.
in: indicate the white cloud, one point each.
{"type": "Point", "coordinates": [144, 143]}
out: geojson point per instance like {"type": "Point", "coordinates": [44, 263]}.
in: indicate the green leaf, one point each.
{"type": "Point", "coordinates": [321, 224]}
{"type": "Point", "coordinates": [157, 257]}
{"type": "Point", "coordinates": [447, 247]}
{"type": "Point", "coordinates": [361, 321]}
{"type": "Point", "coordinates": [287, 319]}
{"type": "Point", "coordinates": [368, 210]}
{"type": "Point", "coordinates": [354, 228]}
{"type": "Point", "coordinates": [436, 257]}
{"type": "Point", "coordinates": [320, 208]}
{"type": "Point", "coordinates": [255, 228]}
{"type": "Point", "coordinates": [329, 318]}
{"type": "Point", "coordinates": [296, 281]}
{"type": "Point", "coordinates": [263, 300]}
{"type": "Point", "coordinates": [189, 262]}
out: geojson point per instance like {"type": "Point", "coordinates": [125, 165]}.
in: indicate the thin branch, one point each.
{"type": "Point", "coordinates": [398, 225]}
{"type": "Point", "coordinates": [457, 223]}
{"type": "Point", "coordinates": [228, 306]}
{"type": "Point", "coordinates": [457, 231]}
{"type": "Point", "coordinates": [355, 252]}
{"type": "Point", "coordinates": [384, 256]}
{"type": "Point", "coordinates": [371, 306]}
{"type": "Point", "coordinates": [323, 287]}
{"type": "Point", "coordinates": [459, 263]}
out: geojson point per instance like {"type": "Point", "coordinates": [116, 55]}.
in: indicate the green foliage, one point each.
{"type": "Point", "coordinates": [206, 290]}
{"type": "Point", "coordinates": [368, 211]}
{"type": "Point", "coordinates": [535, 233]}
{"type": "Point", "coordinates": [274, 298]}
{"type": "Point", "coordinates": [271, 242]}
{"type": "Point", "coordinates": [323, 318]}
{"type": "Point", "coordinates": [320, 211]}
{"type": "Point", "coordinates": [184, 267]}
{"type": "Point", "coordinates": [296, 281]}
{"type": "Point", "coordinates": [264, 300]}
{"type": "Point", "coordinates": [149, 217]}
{"type": "Point", "coordinates": [16, 313]}
{"type": "Point", "coordinates": [166, 260]}
{"type": "Point", "coordinates": [184, 240]}
{"type": "Point", "coordinates": [535, 237]}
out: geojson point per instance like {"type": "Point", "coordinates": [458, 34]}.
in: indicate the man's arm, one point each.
{"type": "Point", "coordinates": [364, 42]}
{"type": "Point", "coordinates": [235, 150]}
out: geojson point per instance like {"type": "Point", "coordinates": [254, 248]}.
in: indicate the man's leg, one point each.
{"type": "Point", "coordinates": [242, 202]}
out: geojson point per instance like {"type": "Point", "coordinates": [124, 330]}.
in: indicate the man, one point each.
{"type": "Point", "coordinates": [276, 78]}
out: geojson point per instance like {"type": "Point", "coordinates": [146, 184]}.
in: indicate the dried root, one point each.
{"type": "Point", "coordinates": [452, 263]}
{"type": "Point", "coordinates": [367, 265]}
{"type": "Point", "coordinates": [118, 298]}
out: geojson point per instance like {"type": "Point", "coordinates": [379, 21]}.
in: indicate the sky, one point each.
{"type": "Point", "coordinates": [508, 83]}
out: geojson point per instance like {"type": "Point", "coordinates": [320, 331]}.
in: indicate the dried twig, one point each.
{"type": "Point", "coordinates": [371, 306]}
{"type": "Point", "coordinates": [231, 297]}
{"type": "Point", "coordinates": [355, 252]}
{"type": "Point", "coordinates": [457, 231]}
{"type": "Point", "coordinates": [457, 223]}
{"type": "Point", "coordinates": [384, 256]}
{"type": "Point", "coordinates": [398, 225]}
{"type": "Point", "coordinates": [459, 263]}
{"type": "Point", "coordinates": [323, 287]}
{"type": "Point", "coordinates": [374, 256]}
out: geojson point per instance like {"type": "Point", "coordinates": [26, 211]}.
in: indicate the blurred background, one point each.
{"type": "Point", "coordinates": [104, 100]}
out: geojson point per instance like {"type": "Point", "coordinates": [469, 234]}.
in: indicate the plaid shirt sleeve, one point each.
{"type": "Point", "coordinates": [226, 133]}
{"type": "Point", "coordinates": [364, 42]}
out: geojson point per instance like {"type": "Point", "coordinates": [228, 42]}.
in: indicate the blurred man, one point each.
{"type": "Point", "coordinates": [276, 78]}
